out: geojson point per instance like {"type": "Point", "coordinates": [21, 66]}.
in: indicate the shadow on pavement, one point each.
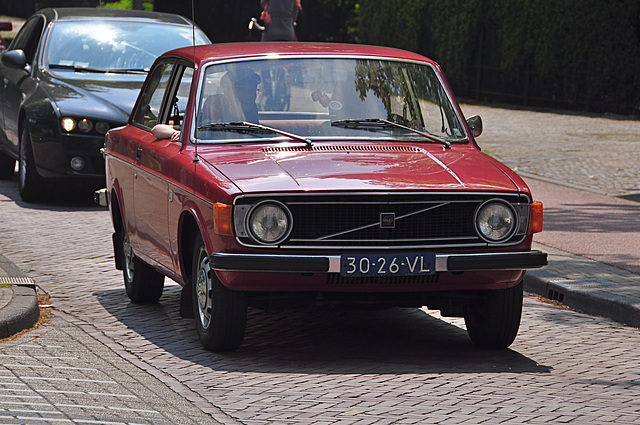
{"type": "Point", "coordinates": [393, 341]}
{"type": "Point", "coordinates": [62, 198]}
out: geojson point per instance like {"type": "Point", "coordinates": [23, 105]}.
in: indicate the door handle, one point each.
{"type": "Point", "coordinates": [139, 154]}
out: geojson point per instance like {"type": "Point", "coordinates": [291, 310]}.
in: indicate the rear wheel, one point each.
{"type": "Point", "coordinates": [7, 166]}
{"type": "Point", "coordinates": [494, 321]}
{"type": "Point", "coordinates": [32, 187]}
{"type": "Point", "coordinates": [144, 285]}
{"type": "Point", "coordinates": [220, 313]}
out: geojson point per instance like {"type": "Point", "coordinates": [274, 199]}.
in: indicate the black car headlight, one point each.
{"type": "Point", "coordinates": [269, 222]}
{"type": "Point", "coordinates": [495, 220]}
{"type": "Point", "coordinates": [84, 125]}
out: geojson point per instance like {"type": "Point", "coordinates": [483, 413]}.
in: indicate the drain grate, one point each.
{"type": "Point", "coordinates": [11, 280]}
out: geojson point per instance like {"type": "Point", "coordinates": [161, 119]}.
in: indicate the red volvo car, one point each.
{"type": "Point", "coordinates": [296, 174]}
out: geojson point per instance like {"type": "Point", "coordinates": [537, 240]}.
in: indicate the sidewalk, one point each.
{"type": "Point", "coordinates": [588, 286]}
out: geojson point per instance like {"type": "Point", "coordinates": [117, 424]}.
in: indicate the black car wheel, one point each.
{"type": "Point", "coordinates": [220, 313]}
{"type": "Point", "coordinates": [7, 166]}
{"type": "Point", "coordinates": [32, 187]}
{"type": "Point", "coordinates": [144, 284]}
{"type": "Point", "coordinates": [494, 321]}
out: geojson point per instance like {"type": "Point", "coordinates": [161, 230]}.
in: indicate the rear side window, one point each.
{"type": "Point", "coordinates": [29, 37]}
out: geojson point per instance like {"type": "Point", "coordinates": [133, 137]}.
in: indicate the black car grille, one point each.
{"type": "Point", "coordinates": [420, 220]}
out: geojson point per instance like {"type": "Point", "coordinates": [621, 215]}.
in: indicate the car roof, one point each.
{"type": "Point", "coordinates": [90, 14]}
{"type": "Point", "coordinates": [258, 50]}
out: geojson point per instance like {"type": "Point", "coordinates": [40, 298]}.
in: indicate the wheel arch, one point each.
{"type": "Point", "coordinates": [188, 231]}
{"type": "Point", "coordinates": [118, 225]}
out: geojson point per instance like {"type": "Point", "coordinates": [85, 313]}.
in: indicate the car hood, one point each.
{"type": "Point", "coordinates": [111, 98]}
{"type": "Point", "coordinates": [362, 167]}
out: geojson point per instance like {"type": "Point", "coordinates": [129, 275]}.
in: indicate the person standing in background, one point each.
{"type": "Point", "coordinates": [279, 17]}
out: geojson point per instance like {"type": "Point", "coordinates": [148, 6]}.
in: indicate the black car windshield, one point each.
{"type": "Point", "coordinates": [112, 46]}
{"type": "Point", "coordinates": [327, 98]}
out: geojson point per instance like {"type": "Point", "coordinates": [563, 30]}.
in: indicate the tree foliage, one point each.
{"type": "Point", "coordinates": [584, 54]}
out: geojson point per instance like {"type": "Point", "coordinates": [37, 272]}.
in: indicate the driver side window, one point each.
{"type": "Point", "coordinates": [148, 112]}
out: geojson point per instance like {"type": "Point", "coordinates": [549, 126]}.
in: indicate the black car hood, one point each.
{"type": "Point", "coordinates": [105, 97]}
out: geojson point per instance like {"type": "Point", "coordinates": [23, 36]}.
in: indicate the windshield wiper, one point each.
{"type": "Point", "coordinates": [78, 68]}
{"type": "Point", "coordinates": [129, 71]}
{"type": "Point", "coordinates": [99, 71]}
{"type": "Point", "coordinates": [249, 127]}
{"type": "Point", "coordinates": [379, 123]}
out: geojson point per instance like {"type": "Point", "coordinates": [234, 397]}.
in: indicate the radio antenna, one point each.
{"type": "Point", "coordinates": [193, 34]}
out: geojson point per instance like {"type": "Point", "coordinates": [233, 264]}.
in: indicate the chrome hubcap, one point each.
{"type": "Point", "coordinates": [23, 165]}
{"type": "Point", "coordinates": [128, 258]}
{"type": "Point", "coordinates": [203, 290]}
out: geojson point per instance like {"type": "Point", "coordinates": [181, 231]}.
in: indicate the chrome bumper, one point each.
{"type": "Point", "coordinates": [331, 263]}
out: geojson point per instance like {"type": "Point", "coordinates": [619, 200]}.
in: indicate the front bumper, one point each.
{"type": "Point", "coordinates": [331, 263]}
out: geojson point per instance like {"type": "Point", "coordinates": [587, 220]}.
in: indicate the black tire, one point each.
{"type": "Point", "coordinates": [144, 285]}
{"type": "Point", "coordinates": [494, 322]}
{"type": "Point", "coordinates": [32, 187]}
{"type": "Point", "coordinates": [220, 313]}
{"type": "Point", "coordinates": [7, 166]}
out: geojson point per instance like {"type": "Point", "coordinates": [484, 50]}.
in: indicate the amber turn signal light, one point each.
{"type": "Point", "coordinates": [223, 219]}
{"type": "Point", "coordinates": [535, 218]}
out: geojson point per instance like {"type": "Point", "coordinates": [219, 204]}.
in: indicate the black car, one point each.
{"type": "Point", "coordinates": [69, 76]}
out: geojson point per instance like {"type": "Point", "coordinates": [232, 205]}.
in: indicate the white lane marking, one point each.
{"type": "Point", "coordinates": [52, 367]}
{"type": "Point", "coordinates": [13, 356]}
{"type": "Point", "coordinates": [20, 396]}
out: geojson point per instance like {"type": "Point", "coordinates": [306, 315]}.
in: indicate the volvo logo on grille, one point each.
{"type": "Point", "coordinates": [388, 220]}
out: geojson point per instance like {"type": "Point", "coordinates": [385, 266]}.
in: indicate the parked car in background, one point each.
{"type": "Point", "coordinates": [69, 76]}
{"type": "Point", "coordinates": [363, 185]}
{"type": "Point", "coordinates": [4, 26]}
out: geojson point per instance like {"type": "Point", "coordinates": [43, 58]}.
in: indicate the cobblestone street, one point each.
{"type": "Point", "coordinates": [596, 153]}
{"type": "Point", "coordinates": [325, 367]}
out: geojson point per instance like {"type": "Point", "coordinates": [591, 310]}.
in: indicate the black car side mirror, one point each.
{"type": "Point", "coordinates": [15, 59]}
{"type": "Point", "coordinates": [475, 125]}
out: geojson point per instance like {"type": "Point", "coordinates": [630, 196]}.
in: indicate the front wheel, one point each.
{"type": "Point", "coordinates": [144, 285]}
{"type": "Point", "coordinates": [494, 321]}
{"type": "Point", "coordinates": [220, 313]}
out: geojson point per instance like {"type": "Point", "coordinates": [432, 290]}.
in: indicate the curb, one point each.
{"type": "Point", "coordinates": [587, 286]}
{"type": "Point", "coordinates": [586, 300]}
{"type": "Point", "coordinates": [22, 312]}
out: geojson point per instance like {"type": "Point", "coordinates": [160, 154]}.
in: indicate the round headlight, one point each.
{"type": "Point", "coordinates": [269, 222]}
{"type": "Point", "coordinates": [85, 125]}
{"type": "Point", "coordinates": [68, 124]}
{"type": "Point", "coordinates": [495, 221]}
{"type": "Point", "coordinates": [102, 127]}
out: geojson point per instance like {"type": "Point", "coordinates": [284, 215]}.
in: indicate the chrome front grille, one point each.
{"type": "Point", "coordinates": [419, 220]}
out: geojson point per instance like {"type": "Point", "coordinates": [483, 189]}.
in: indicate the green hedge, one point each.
{"type": "Point", "coordinates": [582, 54]}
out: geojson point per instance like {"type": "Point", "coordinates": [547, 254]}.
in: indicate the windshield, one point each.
{"type": "Point", "coordinates": [325, 98]}
{"type": "Point", "coordinates": [113, 46]}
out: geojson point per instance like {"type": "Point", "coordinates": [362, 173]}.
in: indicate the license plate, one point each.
{"type": "Point", "coordinates": [387, 264]}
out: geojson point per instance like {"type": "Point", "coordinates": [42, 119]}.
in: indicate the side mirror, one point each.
{"type": "Point", "coordinates": [475, 125]}
{"type": "Point", "coordinates": [15, 59]}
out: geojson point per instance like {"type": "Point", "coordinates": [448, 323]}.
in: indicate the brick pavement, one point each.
{"type": "Point", "coordinates": [59, 374]}
{"type": "Point", "coordinates": [359, 367]}
{"type": "Point", "coordinates": [594, 153]}
{"type": "Point", "coordinates": [307, 367]}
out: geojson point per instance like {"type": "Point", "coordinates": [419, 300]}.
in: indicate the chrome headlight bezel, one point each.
{"type": "Point", "coordinates": [495, 221]}
{"type": "Point", "coordinates": [281, 216]}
